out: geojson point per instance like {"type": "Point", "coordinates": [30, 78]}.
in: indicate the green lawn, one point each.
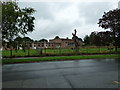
{"type": "Point", "coordinates": [58, 58]}
{"type": "Point", "coordinates": [96, 50]}
{"type": "Point", "coordinates": [6, 53]}
{"type": "Point", "coordinates": [20, 53]}
{"type": "Point", "coordinates": [82, 50]}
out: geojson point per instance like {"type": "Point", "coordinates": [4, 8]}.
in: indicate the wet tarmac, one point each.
{"type": "Point", "coordinates": [91, 73]}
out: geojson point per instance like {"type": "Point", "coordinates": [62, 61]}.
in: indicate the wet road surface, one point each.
{"type": "Point", "coordinates": [96, 73]}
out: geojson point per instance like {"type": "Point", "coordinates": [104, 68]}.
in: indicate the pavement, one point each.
{"type": "Point", "coordinates": [92, 73]}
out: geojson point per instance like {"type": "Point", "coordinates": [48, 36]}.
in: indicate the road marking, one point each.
{"type": "Point", "coordinates": [116, 82]}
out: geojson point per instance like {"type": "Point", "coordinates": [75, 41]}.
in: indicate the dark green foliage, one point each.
{"type": "Point", "coordinates": [57, 37]}
{"type": "Point", "coordinates": [94, 39]}
{"type": "Point", "coordinates": [99, 38]}
{"type": "Point", "coordinates": [106, 38]}
{"type": "Point", "coordinates": [43, 40]}
{"type": "Point", "coordinates": [87, 40]}
{"type": "Point", "coordinates": [15, 21]}
{"type": "Point", "coordinates": [27, 39]}
{"type": "Point", "coordinates": [111, 20]}
{"type": "Point", "coordinates": [23, 42]}
{"type": "Point", "coordinates": [10, 14]}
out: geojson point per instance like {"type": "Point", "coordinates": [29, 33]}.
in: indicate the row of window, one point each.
{"type": "Point", "coordinates": [43, 45]}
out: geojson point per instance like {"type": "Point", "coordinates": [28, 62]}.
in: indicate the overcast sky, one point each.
{"type": "Point", "coordinates": [61, 18]}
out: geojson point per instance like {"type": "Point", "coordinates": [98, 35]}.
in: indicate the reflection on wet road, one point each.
{"type": "Point", "coordinates": [96, 73]}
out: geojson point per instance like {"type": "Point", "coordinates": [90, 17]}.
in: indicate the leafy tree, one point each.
{"type": "Point", "coordinates": [36, 41]}
{"type": "Point", "coordinates": [105, 38]}
{"type": "Point", "coordinates": [87, 40]}
{"type": "Point", "coordinates": [95, 39]}
{"type": "Point", "coordinates": [3, 43]}
{"type": "Point", "coordinates": [111, 20]}
{"type": "Point", "coordinates": [27, 39]}
{"type": "Point", "coordinates": [18, 41]}
{"type": "Point", "coordinates": [27, 42]}
{"type": "Point", "coordinates": [22, 41]}
{"type": "Point", "coordinates": [43, 40]}
{"type": "Point", "coordinates": [16, 21]}
{"type": "Point", "coordinates": [99, 38]}
{"type": "Point", "coordinates": [57, 37]}
{"type": "Point", "coordinates": [80, 39]}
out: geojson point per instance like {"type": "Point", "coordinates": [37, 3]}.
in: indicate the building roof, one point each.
{"type": "Point", "coordinates": [61, 39]}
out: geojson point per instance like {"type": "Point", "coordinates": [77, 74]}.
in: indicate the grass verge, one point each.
{"type": "Point", "coordinates": [58, 58]}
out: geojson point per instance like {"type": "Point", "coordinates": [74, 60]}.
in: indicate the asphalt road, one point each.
{"type": "Point", "coordinates": [97, 73]}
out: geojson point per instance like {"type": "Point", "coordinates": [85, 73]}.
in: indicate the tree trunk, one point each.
{"type": "Point", "coordinates": [60, 50]}
{"type": "Point", "coordinates": [115, 48]}
{"type": "Point", "coordinates": [115, 40]}
{"type": "Point", "coordinates": [10, 48]}
{"type": "Point", "coordinates": [11, 51]}
{"type": "Point", "coordinates": [99, 49]}
{"type": "Point", "coordinates": [28, 51]}
{"type": "Point", "coordinates": [45, 50]}
{"type": "Point", "coordinates": [16, 47]}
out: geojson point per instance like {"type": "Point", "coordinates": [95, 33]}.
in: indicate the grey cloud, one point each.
{"type": "Point", "coordinates": [45, 9]}
{"type": "Point", "coordinates": [42, 9]}
{"type": "Point", "coordinates": [56, 28]}
{"type": "Point", "coordinates": [93, 11]}
{"type": "Point", "coordinates": [48, 26]}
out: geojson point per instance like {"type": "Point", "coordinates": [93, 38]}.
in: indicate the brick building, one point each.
{"type": "Point", "coordinates": [42, 45]}
{"type": "Point", "coordinates": [62, 42]}
{"type": "Point", "coordinates": [52, 43]}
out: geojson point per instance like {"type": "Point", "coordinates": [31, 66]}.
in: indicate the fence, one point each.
{"type": "Point", "coordinates": [58, 51]}
{"type": "Point", "coordinates": [82, 50]}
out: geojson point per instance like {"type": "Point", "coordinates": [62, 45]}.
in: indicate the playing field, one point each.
{"type": "Point", "coordinates": [86, 50]}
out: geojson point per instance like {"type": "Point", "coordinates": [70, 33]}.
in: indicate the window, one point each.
{"type": "Point", "coordinates": [30, 45]}
{"type": "Point", "coordinates": [42, 45]}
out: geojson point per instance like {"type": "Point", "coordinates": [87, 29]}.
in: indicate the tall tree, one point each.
{"type": "Point", "coordinates": [43, 40]}
{"type": "Point", "coordinates": [105, 38]}
{"type": "Point", "coordinates": [18, 40]}
{"type": "Point", "coordinates": [27, 39]}
{"type": "Point", "coordinates": [87, 40]}
{"type": "Point", "coordinates": [16, 21]}
{"type": "Point", "coordinates": [111, 20]}
{"type": "Point", "coordinates": [95, 39]}
{"type": "Point", "coordinates": [27, 43]}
